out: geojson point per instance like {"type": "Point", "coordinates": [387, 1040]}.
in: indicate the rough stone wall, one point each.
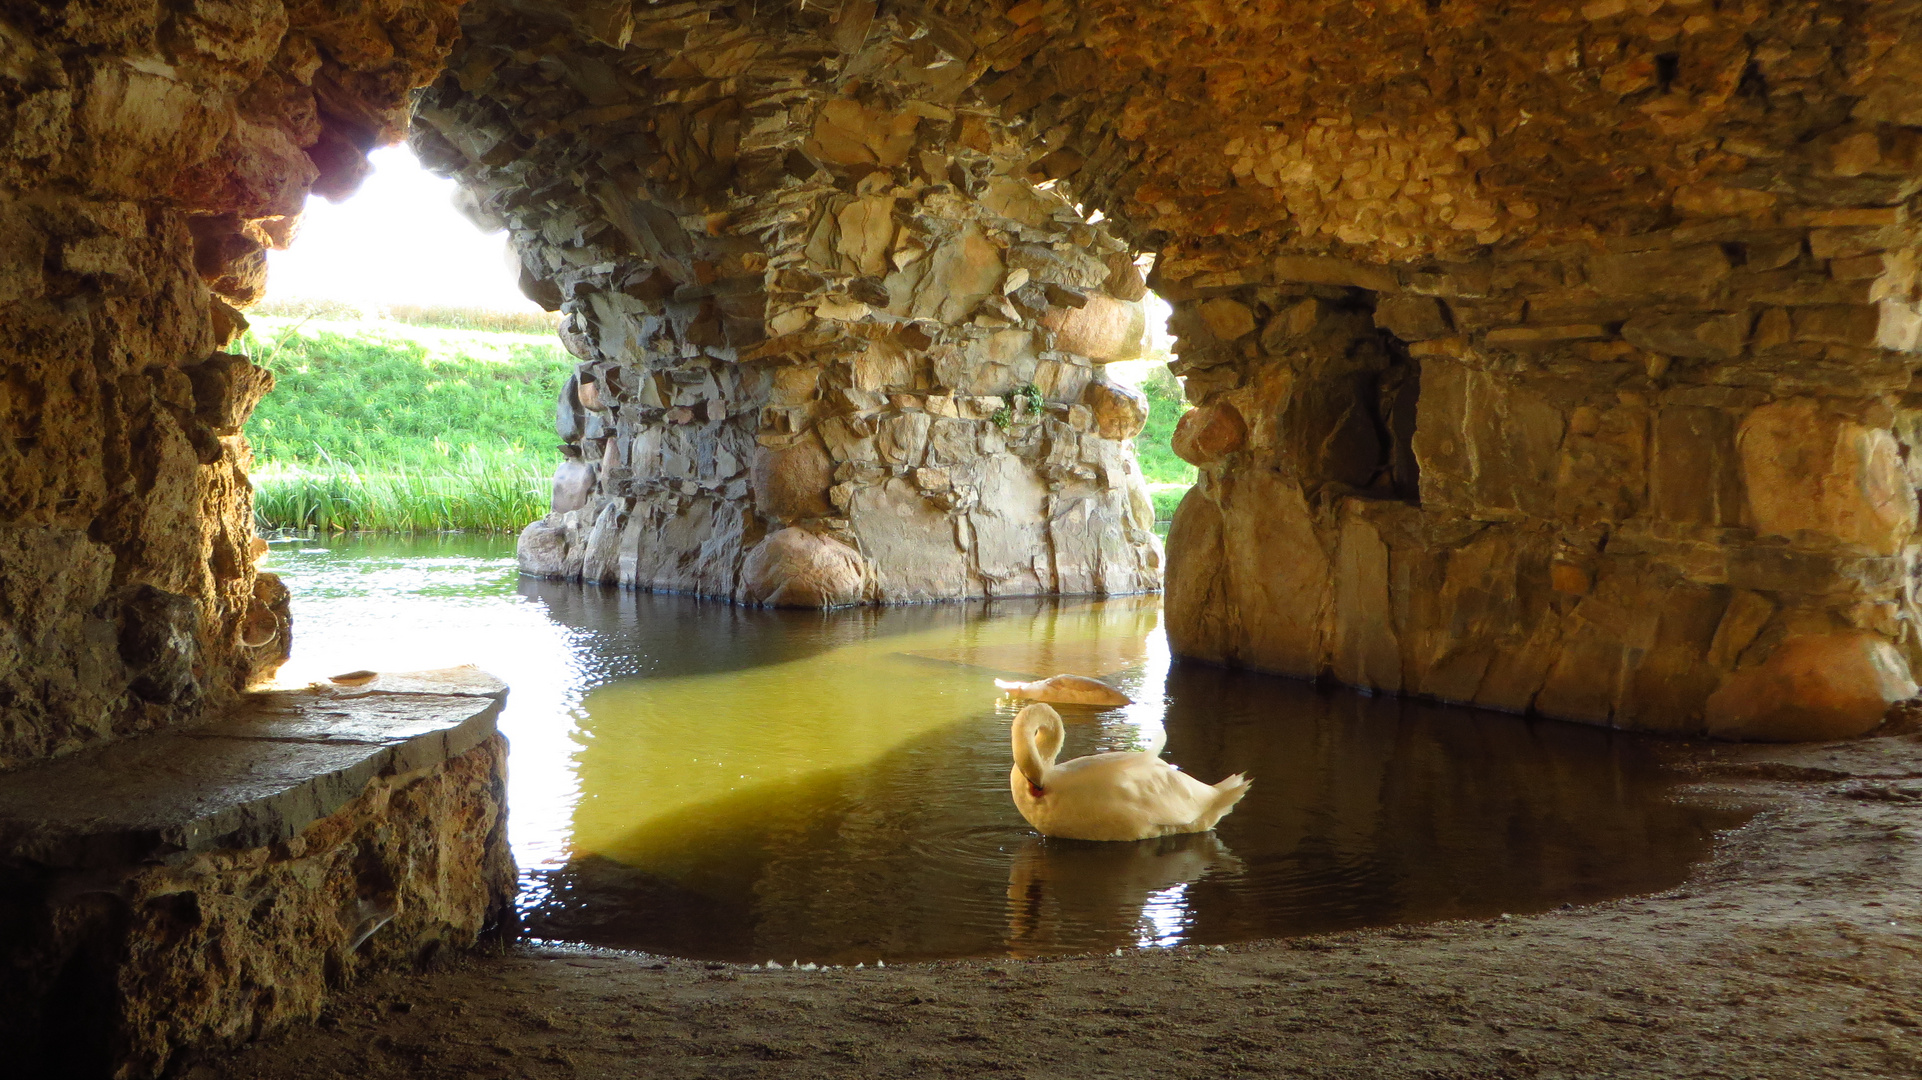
{"type": "Point", "coordinates": [149, 153]}
{"type": "Point", "coordinates": [1643, 270]}
{"type": "Point", "coordinates": [808, 278]}
{"type": "Point", "coordinates": [119, 976]}
{"type": "Point", "coordinates": [1642, 275]}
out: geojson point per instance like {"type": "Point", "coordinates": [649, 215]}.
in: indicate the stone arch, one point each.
{"type": "Point", "coordinates": [1670, 417]}
{"type": "Point", "coordinates": [808, 284]}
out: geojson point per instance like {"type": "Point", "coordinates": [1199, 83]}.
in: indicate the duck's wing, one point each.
{"type": "Point", "coordinates": [1139, 785]}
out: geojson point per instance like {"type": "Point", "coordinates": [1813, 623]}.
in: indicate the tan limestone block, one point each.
{"type": "Point", "coordinates": [1124, 278]}
{"type": "Point", "coordinates": [797, 568]}
{"type": "Point", "coordinates": [792, 482]}
{"type": "Point", "coordinates": [1412, 318]}
{"type": "Point", "coordinates": [1326, 270]}
{"type": "Point", "coordinates": [1209, 433]}
{"type": "Point", "coordinates": [1119, 412]}
{"type": "Point", "coordinates": [1367, 649]}
{"type": "Point", "coordinates": [1807, 470]}
{"type": "Point", "coordinates": [1522, 337]}
{"type": "Point", "coordinates": [1227, 320]}
{"type": "Point", "coordinates": [1692, 271]}
{"type": "Point", "coordinates": [1829, 686]}
{"type": "Point", "coordinates": [1104, 329]}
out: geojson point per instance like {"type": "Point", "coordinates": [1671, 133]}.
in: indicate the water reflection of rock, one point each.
{"type": "Point", "coordinates": [1070, 895]}
{"type": "Point", "coordinates": [1372, 811]}
{"type": "Point", "coordinates": [901, 842]}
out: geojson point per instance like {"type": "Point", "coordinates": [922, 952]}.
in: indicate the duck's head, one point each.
{"type": "Point", "coordinates": [1038, 734]}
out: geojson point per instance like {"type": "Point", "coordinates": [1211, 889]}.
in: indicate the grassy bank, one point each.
{"type": "Point", "coordinates": [380, 424]}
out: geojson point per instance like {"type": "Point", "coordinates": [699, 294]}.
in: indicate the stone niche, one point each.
{"type": "Point", "coordinates": [836, 345]}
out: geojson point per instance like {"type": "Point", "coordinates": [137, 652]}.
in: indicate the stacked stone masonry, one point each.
{"type": "Point", "coordinates": [808, 284]}
{"type": "Point", "coordinates": [1651, 262]}
{"type": "Point", "coordinates": [1552, 358]}
{"type": "Point", "coordinates": [1586, 386]}
{"type": "Point", "coordinates": [149, 155]}
{"type": "Point", "coordinates": [1546, 356]}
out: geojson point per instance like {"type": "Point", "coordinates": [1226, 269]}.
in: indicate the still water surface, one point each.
{"type": "Point", "coordinates": [695, 779]}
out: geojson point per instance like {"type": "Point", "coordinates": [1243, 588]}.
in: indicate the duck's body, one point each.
{"type": "Point", "coordinates": [1114, 796]}
{"type": "Point", "coordinates": [1066, 690]}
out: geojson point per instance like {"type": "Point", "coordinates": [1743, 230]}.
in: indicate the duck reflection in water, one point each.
{"type": "Point", "coordinates": [1058, 889]}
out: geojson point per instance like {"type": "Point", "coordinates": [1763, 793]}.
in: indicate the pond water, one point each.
{"type": "Point", "coordinates": [694, 779]}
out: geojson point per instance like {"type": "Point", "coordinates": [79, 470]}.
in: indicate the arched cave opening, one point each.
{"type": "Point", "coordinates": [1597, 408]}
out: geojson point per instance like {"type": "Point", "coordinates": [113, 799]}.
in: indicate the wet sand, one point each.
{"type": "Point", "coordinates": [1795, 950]}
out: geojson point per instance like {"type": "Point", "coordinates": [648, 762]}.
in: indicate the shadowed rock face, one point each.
{"type": "Point", "coordinates": [1556, 356]}
{"type": "Point", "coordinates": [149, 154]}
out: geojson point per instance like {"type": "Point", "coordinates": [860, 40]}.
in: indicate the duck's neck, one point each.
{"type": "Point", "coordinates": [1028, 756]}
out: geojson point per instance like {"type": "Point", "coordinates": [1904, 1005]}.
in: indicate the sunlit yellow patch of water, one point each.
{"type": "Point", "coordinates": [671, 768]}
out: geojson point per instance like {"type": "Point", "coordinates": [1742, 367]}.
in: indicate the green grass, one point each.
{"type": "Point", "coordinates": [476, 491]}
{"type": "Point", "coordinates": [1169, 477]}
{"type": "Point", "coordinates": [382, 425]}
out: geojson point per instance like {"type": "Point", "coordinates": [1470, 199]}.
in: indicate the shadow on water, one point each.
{"type": "Point", "coordinates": [703, 780]}
{"type": "Point", "coordinates": [637, 634]}
{"type": "Point", "coordinates": [1366, 811]}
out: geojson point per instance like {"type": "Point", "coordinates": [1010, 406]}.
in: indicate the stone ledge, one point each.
{"type": "Point", "coordinates": [279, 762]}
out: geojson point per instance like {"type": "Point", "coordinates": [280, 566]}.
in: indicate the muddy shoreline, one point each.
{"type": "Point", "coordinates": [1794, 951]}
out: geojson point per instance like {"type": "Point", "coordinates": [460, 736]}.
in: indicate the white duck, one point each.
{"type": "Point", "coordinates": [1066, 690]}
{"type": "Point", "coordinates": [1115, 796]}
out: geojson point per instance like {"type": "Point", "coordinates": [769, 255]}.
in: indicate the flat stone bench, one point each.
{"type": "Point", "coordinates": [194, 887]}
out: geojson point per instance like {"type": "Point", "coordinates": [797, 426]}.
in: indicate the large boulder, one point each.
{"type": "Point", "coordinates": [1209, 433]}
{"type": "Point", "coordinates": [797, 568]}
{"type": "Point", "coordinates": [554, 546]}
{"type": "Point", "coordinates": [1826, 686]}
{"type": "Point", "coordinates": [1102, 329]}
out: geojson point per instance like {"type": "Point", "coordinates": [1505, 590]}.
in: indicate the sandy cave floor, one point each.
{"type": "Point", "coordinates": [1795, 952]}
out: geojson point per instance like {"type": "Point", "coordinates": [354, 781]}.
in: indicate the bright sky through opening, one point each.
{"type": "Point", "coordinates": [398, 240]}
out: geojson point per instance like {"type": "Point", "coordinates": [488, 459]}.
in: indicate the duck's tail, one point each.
{"type": "Point", "coordinates": [1227, 794]}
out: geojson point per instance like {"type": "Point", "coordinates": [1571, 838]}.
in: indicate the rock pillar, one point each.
{"type": "Point", "coordinates": [148, 158]}
{"type": "Point", "coordinates": [1666, 483]}
{"type": "Point", "coordinates": [835, 344]}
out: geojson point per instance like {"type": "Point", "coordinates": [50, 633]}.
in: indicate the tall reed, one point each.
{"type": "Point", "coordinates": [475, 490]}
